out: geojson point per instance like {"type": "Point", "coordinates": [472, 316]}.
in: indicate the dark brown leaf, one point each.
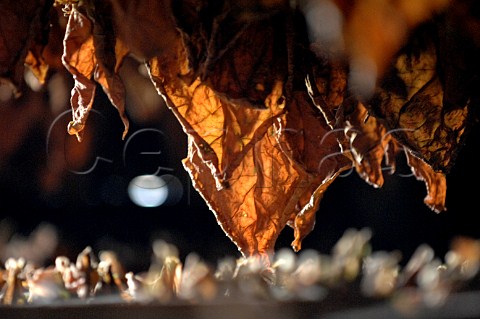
{"type": "Point", "coordinates": [411, 104]}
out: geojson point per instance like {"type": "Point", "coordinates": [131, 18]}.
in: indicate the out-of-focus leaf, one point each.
{"type": "Point", "coordinates": [146, 26]}
{"type": "Point", "coordinates": [366, 33]}
{"type": "Point", "coordinates": [24, 29]}
{"type": "Point", "coordinates": [37, 64]}
{"type": "Point", "coordinates": [45, 52]}
{"type": "Point", "coordinates": [411, 102]}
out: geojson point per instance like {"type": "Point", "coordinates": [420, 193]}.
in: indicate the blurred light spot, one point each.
{"type": "Point", "coordinates": [59, 93]}
{"type": "Point", "coordinates": [148, 191]}
{"type": "Point", "coordinates": [37, 248]}
{"type": "Point", "coordinates": [154, 191]}
{"type": "Point", "coordinates": [142, 69]}
{"type": "Point", "coordinates": [325, 22]}
{"type": "Point", "coordinates": [363, 76]}
{"type": "Point", "coordinates": [143, 103]}
{"type": "Point", "coordinates": [32, 81]}
{"type": "Point", "coordinates": [285, 260]}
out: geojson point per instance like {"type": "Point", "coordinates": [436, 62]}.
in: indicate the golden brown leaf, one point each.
{"type": "Point", "coordinates": [79, 59]}
{"type": "Point", "coordinates": [369, 143]}
{"type": "Point", "coordinates": [258, 169]}
{"type": "Point", "coordinates": [84, 57]}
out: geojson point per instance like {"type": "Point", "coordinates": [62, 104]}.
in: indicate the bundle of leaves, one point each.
{"type": "Point", "coordinates": [278, 98]}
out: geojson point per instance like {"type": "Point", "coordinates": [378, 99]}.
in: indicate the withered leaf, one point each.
{"type": "Point", "coordinates": [373, 148]}
{"type": "Point", "coordinates": [369, 144]}
{"type": "Point", "coordinates": [85, 54]}
{"type": "Point", "coordinates": [258, 169]}
{"type": "Point", "coordinates": [436, 182]}
{"type": "Point", "coordinates": [79, 60]}
{"type": "Point", "coordinates": [410, 102]}
{"type": "Point", "coordinates": [266, 192]}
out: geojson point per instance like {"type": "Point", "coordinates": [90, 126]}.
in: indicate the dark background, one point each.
{"type": "Point", "coordinates": [94, 209]}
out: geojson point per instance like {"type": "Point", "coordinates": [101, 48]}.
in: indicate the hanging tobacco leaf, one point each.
{"type": "Point", "coordinates": [374, 149]}
{"type": "Point", "coordinates": [258, 166]}
{"type": "Point", "coordinates": [411, 102]}
{"type": "Point", "coordinates": [88, 57]}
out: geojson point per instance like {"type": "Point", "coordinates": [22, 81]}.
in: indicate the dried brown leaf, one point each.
{"type": "Point", "coordinates": [435, 182]}
{"type": "Point", "coordinates": [87, 56]}
{"type": "Point", "coordinates": [372, 147]}
{"type": "Point", "coordinates": [369, 143]}
{"type": "Point", "coordinates": [79, 59]}
{"type": "Point", "coordinates": [269, 125]}
{"type": "Point", "coordinates": [258, 169]}
{"type": "Point", "coordinates": [411, 103]}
